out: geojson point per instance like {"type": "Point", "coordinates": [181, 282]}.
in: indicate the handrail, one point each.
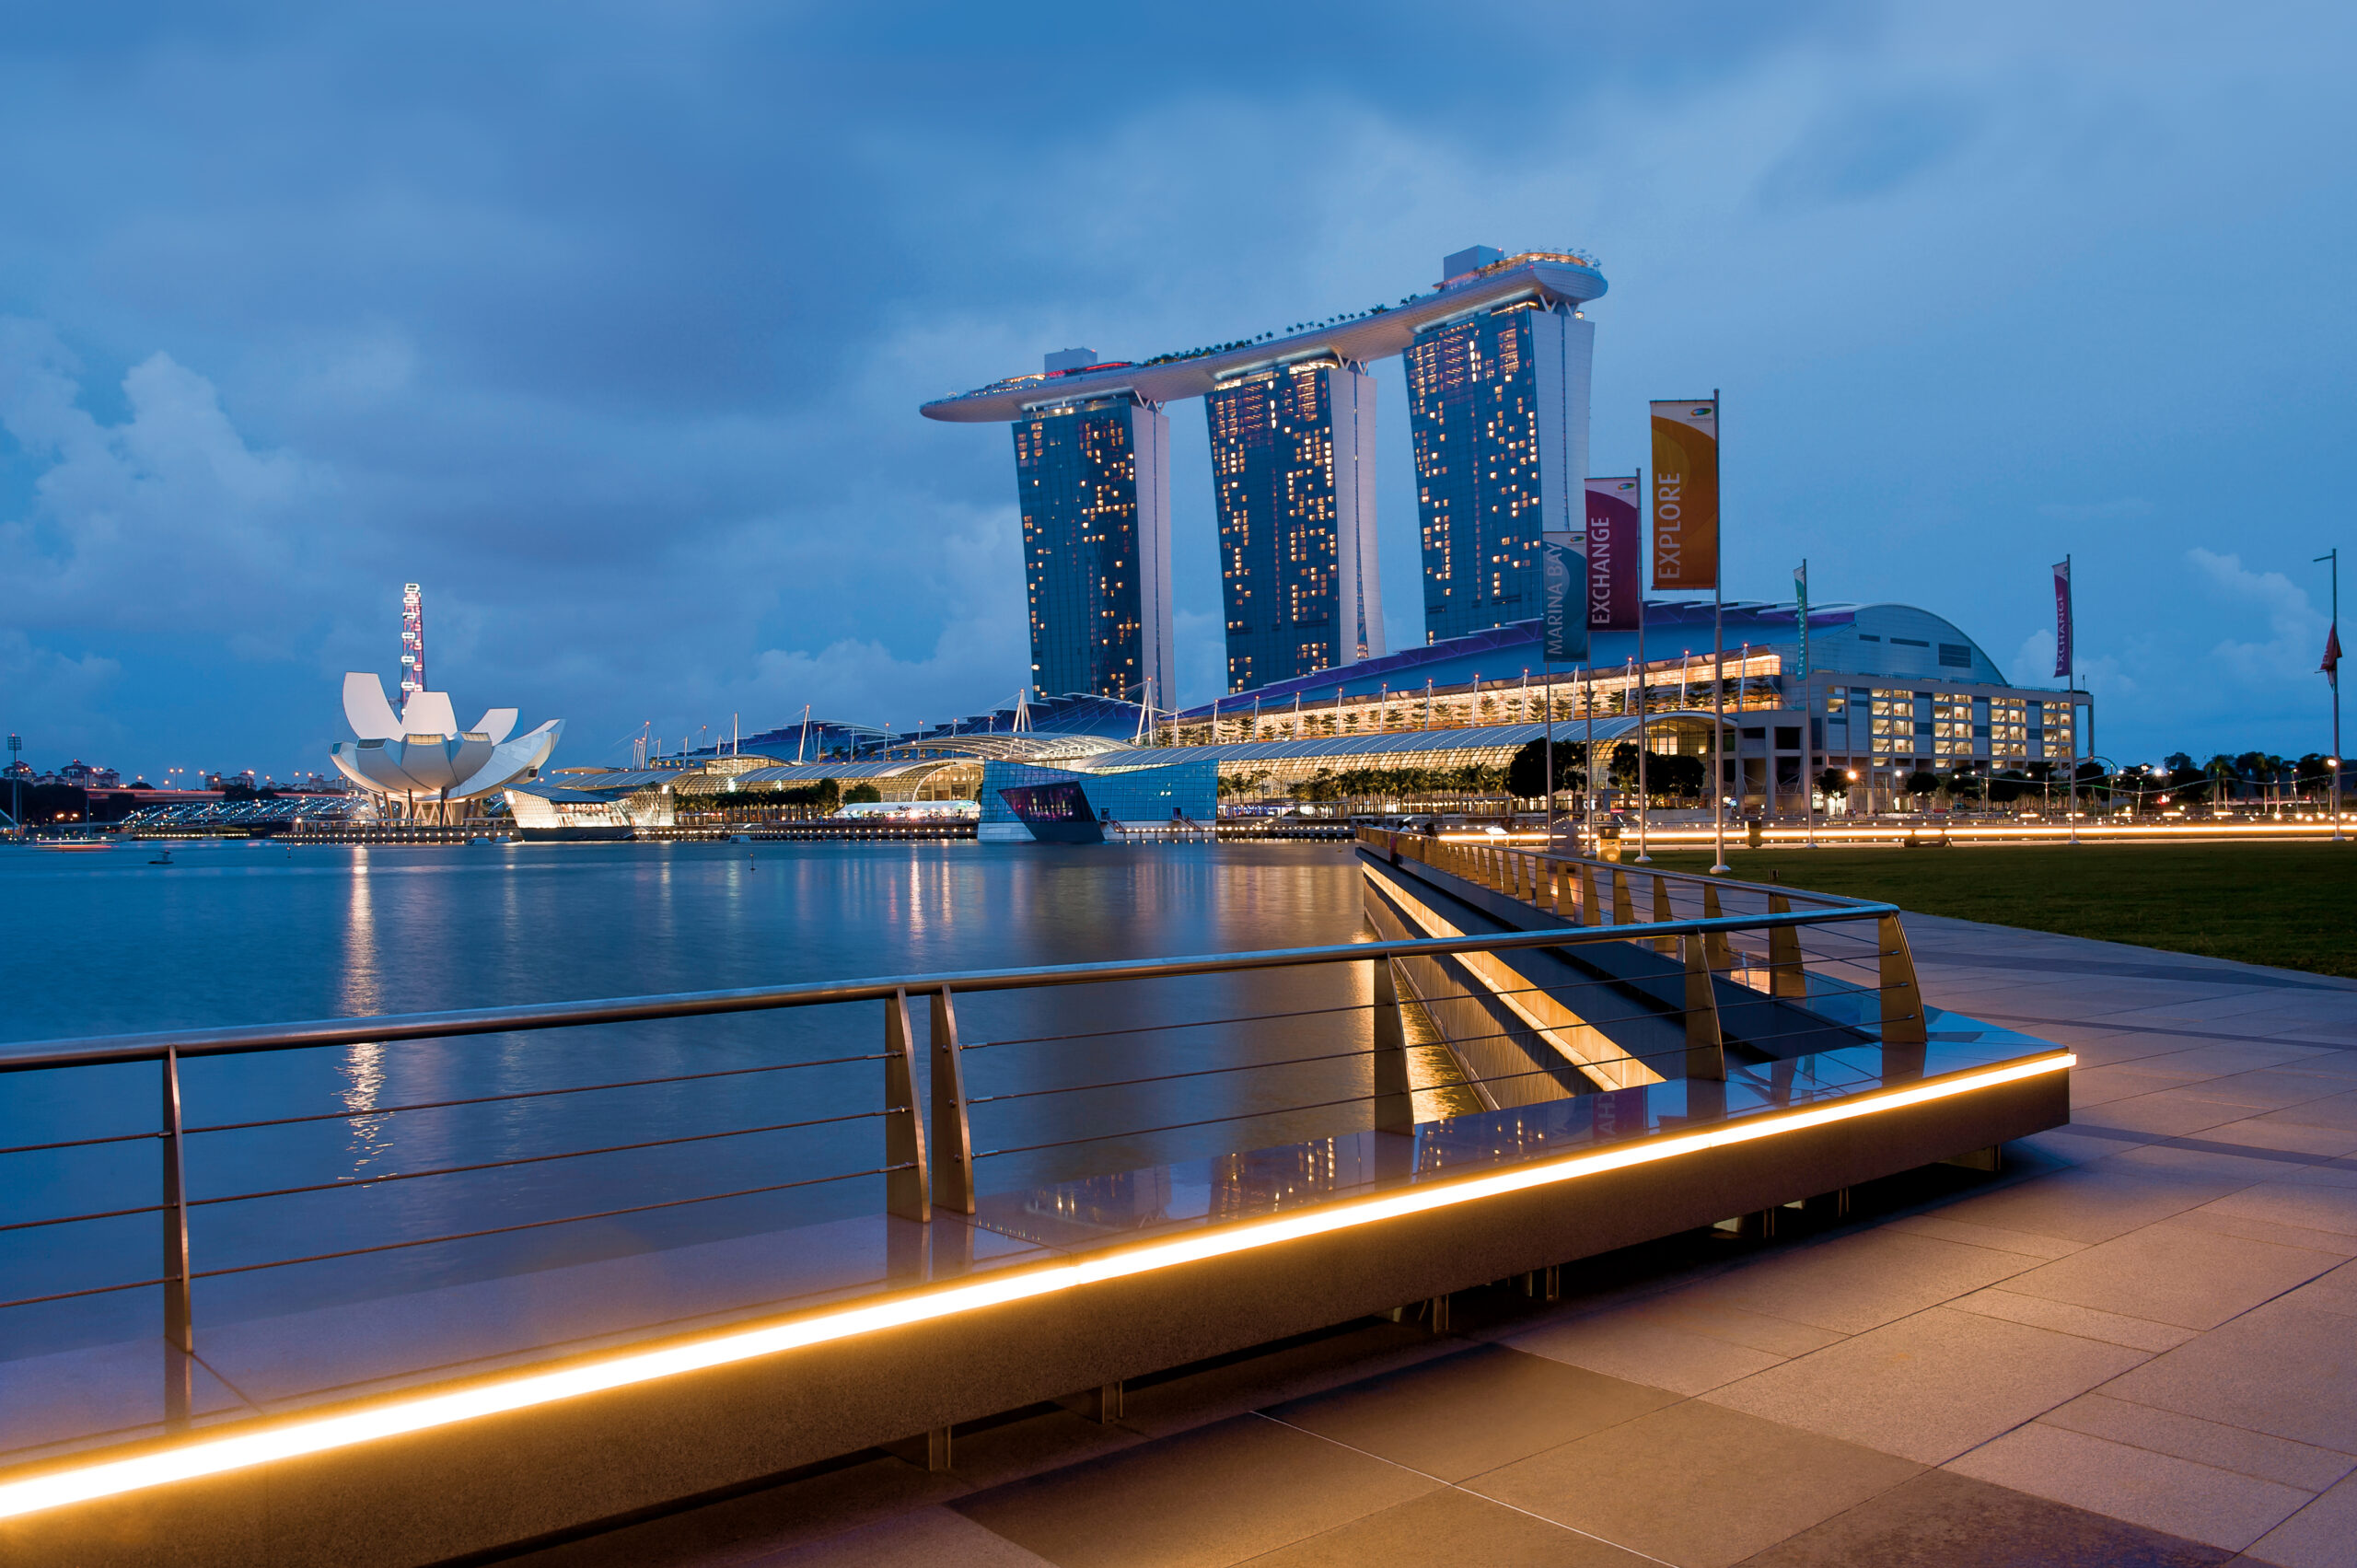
{"type": "Point", "coordinates": [149, 1047]}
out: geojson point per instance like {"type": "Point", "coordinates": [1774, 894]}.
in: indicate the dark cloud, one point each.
{"type": "Point", "coordinates": [608, 323]}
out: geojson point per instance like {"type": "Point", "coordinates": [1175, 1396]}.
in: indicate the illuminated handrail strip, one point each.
{"type": "Point", "coordinates": [62, 1484]}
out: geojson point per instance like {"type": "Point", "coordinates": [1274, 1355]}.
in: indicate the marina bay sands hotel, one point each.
{"type": "Point", "coordinates": [1497, 360]}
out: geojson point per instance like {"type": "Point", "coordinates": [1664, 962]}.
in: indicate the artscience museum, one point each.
{"type": "Point", "coordinates": [419, 765]}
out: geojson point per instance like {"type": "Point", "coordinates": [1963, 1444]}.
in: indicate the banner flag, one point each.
{"type": "Point", "coordinates": [1686, 495]}
{"type": "Point", "coordinates": [1615, 547]}
{"type": "Point", "coordinates": [2331, 665]}
{"type": "Point", "coordinates": [2063, 665]}
{"type": "Point", "coordinates": [1800, 595]}
{"type": "Point", "coordinates": [1562, 576]}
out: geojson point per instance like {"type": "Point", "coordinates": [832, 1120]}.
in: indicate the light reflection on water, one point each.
{"type": "Point", "coordinates": [238, 934]}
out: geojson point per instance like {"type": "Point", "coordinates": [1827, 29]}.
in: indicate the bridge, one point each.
{"type": "Point", "coordinates": [967, 1198]}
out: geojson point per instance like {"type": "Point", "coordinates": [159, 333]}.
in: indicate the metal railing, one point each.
{"type": "Point", "coordinates": [1048, 1089]}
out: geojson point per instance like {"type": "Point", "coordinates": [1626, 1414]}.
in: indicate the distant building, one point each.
{"type": "Point", "coordinates": [82, 775]}
{"type": "Point", "coordinates": [1498, 373]}
{"type": "Point", "coordinates": [1094, 482]}
{"type": "Point", "coordinates": [1498, 409]}
{"type": "Point", "coordinates": [1293, 474]}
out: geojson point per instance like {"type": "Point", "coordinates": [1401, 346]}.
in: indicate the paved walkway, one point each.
{"type": "Point", "coordinates": [2136, 1345]}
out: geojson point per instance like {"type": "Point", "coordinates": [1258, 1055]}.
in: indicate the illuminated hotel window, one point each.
{"type": "Point", "coordinates": [2008, 730]}
{"type": "Point", "coordinates": [1952, 726]}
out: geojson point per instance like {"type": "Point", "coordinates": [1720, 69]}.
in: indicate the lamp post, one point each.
{"type": "Point", "coordinates": [2332, 673]}
{"type": "Point", "coordinates": [16, 786]}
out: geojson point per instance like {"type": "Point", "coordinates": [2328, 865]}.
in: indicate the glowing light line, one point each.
{"type": "Point", "coordinates": [296, 1437]}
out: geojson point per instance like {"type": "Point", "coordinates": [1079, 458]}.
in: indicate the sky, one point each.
{"type": "Point", "coordinates": [609, 325]}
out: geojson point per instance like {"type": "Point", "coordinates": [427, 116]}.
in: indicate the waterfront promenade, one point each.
{"type": "Point", "coordinates": [2135, 1344]}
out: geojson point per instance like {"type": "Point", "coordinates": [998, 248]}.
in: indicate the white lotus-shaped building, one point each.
{"type": "Point", "coordinates": [420, 762]}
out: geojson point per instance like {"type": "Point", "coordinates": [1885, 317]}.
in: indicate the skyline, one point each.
{"type": "Point", "coordinates": [609, 336]}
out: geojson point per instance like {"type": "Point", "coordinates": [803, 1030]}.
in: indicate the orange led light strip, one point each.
{"type": "Point", "coordinates": [296, 1437]}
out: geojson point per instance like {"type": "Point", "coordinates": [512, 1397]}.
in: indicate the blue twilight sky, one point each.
{"type": "Point", "coordinates": [609, 324]}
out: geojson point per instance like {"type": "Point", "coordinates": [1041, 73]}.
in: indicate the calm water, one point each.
{"type": "Point", "coordinates": [232, 933]}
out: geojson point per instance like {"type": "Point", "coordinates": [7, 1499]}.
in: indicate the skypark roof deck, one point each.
{"type": "Point", "coordinates": [1549, 278]}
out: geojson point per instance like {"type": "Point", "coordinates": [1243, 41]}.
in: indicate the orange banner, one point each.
{"type": "Point", "coordinates": [1686, 495]}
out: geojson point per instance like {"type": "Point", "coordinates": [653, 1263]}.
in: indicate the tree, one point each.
{"type": "Point", "coordinates": [1833, 781]}
{"type": "Point", "coordinates": [1921, 782]}
{"type": "Point", "coordinates": [862, 794]}
{"type": "Point", "coordinates": [1527, 773]}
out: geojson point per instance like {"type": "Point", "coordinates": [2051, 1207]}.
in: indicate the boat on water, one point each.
{"type": "Point", "coordinates": [73, 845]}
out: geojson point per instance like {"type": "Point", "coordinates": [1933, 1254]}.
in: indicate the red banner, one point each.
{"type": "Point", "coordinates": [1615, 548]}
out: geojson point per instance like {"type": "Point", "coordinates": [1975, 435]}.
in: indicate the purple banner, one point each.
{"type": "Point", "coordinates": [2062, 665]}
{"type": "Point", "coordinates": [1615, 541]}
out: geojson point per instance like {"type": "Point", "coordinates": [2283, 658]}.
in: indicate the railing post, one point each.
{"type": "Point", "coordinates": [906, 1191]}
{"type": "Point", "coordinates": [1662, 914]}
{"type": "Point", "coordinates": [1591, 906]}
{"type": "Point", "coordinates": [1902, 1002]}
{"type": "Point", "coordinates": [180, 1319]}
{"type": "Point", "coordinates": [953, 1136]}
{"type": "Point", "coordinates": [1706, 1056]}
{"type": "Point", "coordinates": [1395, 1106]}
{"type": "Point", "coordinates": [1716, 948]}
{"type": "Point", "coordinates": [1785, 976]}
{"type": "Point", "coordinates": [1625, 911]}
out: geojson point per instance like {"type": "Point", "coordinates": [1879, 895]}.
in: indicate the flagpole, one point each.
{"type": "Point", "coordinates": [1587, 752]}
{"type": "Point", "coordinates": [2332, 674]}
{"type": "Point", "coordinates": [1719, 666]}
{"type": "Point", "coordinates": [1642, 858]}
{"type": "Point", "coordinates": [1808, 720]}
{"type": "Point", "coordinates": [2071, 706]}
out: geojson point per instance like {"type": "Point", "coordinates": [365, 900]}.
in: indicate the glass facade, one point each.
{"type": "Point", "coordinates": [1187, 790]}
{"type": "Point", "coordinates": [1095, 491]}
{"type": "Point", "coordinates": [1292, 472]}
{"type": "Point", "coordinates": [1497, 403]}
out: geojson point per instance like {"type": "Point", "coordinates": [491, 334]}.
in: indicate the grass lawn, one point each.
{"type": "Point", "coordinates": [2292, 905]}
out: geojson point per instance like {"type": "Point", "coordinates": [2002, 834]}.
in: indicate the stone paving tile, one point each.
{"type": "Point", "coordinates": [2336, 1291]}
{"type": "Point", "coordinates": [2173, 1113]}
{"type": "Point", "coordinates": [1940, 1519]}
{"type": "Point", "coordinates": [2037, 1312]}
{"type": "Point", "coordinates": [2175, 1273]}
{"type": "Point", "coordinates": [1203, 1499]}
{"type": "Point", "coordinates": [1695, 1484]}
{"type": "Point", "coordinates": [1860, 1280]}
{"type": "Point", "coordinates": [2338, 1111]}
{"type": "Point", "coordinates": [924, 1538]}
{"type": "Point", "coordinates": [1236, 1384]}
{"type": "Point", "coordinates": [1644, 1350]}
{"type": "Point", "coordinates": [2315, 1537]}
{"type": "Point", "coordinates": [2235, 1448]}
{"type": "Point", "coordinates": [2268, 1131]}
{"type": "Point", "coordinates": [2229, 1222]}
{"type": "Point", "coordinates": [2099, 1085]}
{"type": "Point", "coordinates": [2310, 1208]}
{"type": "Point", "coordinates": [2274, 1088]}
{"type": "Point", "coordinates": [2027, 1243]}
{"type": "Point", "coordinates": [2285, 1368]}
{"type": "Point", "coordinates": [1449, 1526]}
{"type": "Point", "coordinates": [1930, 1385]}
{"type": "Point", "coordinates": [1472, 1411]}
{"type": "Point", "coordinates": [2091, 1202]}
{"type": "Point", "coordinates": [2204, 1156]}
{"type": "Point", "coordinates": [2162, 1491]}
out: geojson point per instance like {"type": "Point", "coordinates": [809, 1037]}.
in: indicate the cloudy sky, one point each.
{"type": "Point", "coordinates": [609, 325]}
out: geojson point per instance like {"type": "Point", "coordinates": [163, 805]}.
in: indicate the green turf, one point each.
{"type": "Point", "coordinates": [2293, 905]}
